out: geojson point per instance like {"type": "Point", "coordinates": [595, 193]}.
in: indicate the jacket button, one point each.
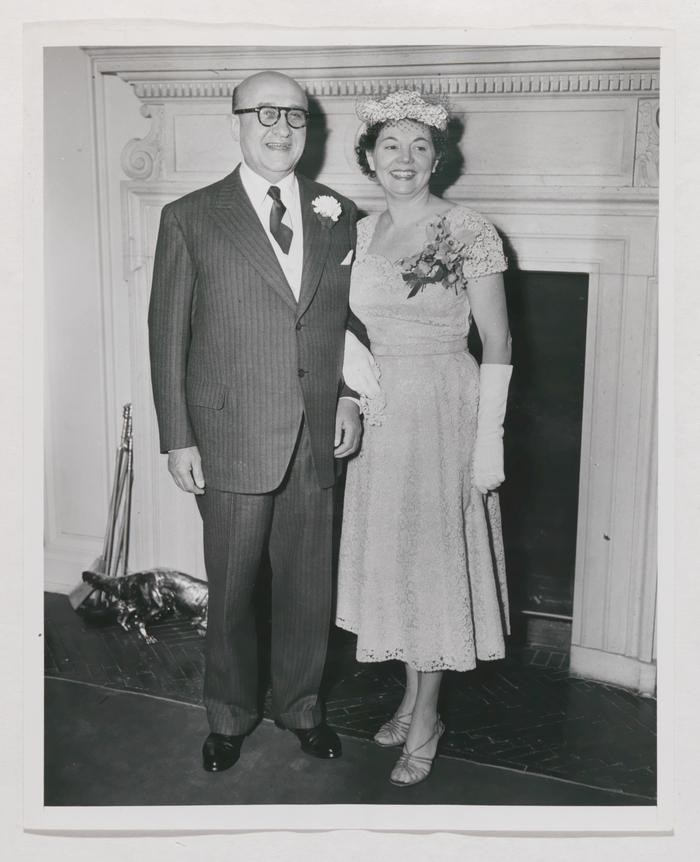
{"type": "Point", "coordinates": [301, 372]}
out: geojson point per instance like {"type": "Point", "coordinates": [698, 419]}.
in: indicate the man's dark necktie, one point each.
{"type": "Point", "coordinates": [281, 233]}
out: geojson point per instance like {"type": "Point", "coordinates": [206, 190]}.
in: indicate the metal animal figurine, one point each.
{"type": "Point", "coordinates": [154, 594]}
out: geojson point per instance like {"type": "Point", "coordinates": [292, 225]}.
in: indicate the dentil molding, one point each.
{"type": "Point", "coordinates": [465, 84]}
{"type": "Point", "coordinates": [349, 71]}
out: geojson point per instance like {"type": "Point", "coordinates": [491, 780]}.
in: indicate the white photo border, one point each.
{"type": "Point", "coordinates": [177, 820]}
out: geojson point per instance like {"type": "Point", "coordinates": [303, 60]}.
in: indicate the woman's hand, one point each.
{"type": "Point", "coordinates": [488, 447]}
{"type": "Point", "coordinates": [488, 305]}
{"type": "Point", "coordinates": [360, 371]}
{"type": "Point", "coordinates": [488, 464]}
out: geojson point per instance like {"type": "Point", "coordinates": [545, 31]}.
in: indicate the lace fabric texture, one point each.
{"type": "Point", "coordinates": [421, 569]}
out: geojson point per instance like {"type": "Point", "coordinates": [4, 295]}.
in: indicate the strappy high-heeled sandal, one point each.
{"type": "Point", "coordinates": [394, 731]}
{"type": "Point", "coordinates": [415, 766]}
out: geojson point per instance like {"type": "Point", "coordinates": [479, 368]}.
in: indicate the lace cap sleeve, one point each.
{"type": "Point", "coordinates": [485, 253]}
{"type": "Point", "coordinates": [365, 231]}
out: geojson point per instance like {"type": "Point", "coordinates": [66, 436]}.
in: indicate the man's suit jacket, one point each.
{"type": "Point", "coordinates": [235, 359]}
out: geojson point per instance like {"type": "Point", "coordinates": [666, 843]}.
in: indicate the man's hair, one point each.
{"type": "Point", "coordinates": [233, 97]}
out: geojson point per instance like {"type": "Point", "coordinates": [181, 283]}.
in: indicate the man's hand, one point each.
{"type": "Point", "coordinates": [360, 371]}
{"type": "Point", "coordinates": [185, 466]}
{"type": "Point", "coordinates": [348, 428]}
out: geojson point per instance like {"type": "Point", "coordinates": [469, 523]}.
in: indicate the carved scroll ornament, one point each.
{"type": "Point", "coordinates": [142, 158]}
{"type": "Point", "coordinates": [646, 158]}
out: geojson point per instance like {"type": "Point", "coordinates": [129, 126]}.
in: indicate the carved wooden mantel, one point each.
{"type": "Point", "coordinates": [561, 151]}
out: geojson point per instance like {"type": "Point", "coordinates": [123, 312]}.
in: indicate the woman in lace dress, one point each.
{"type": "Point", "coordinates": [421, 573]}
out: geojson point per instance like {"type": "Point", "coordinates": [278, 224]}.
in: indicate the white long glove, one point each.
{"type": "Point", "coordinates": [488, 448]}
{"type": "Point", "coordinates": [360, 371]}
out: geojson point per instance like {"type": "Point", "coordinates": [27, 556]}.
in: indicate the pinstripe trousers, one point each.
{"type": "Point", "coordinates": [295, 522]}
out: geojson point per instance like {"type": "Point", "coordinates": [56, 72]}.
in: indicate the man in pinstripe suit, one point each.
{"type": "Point", "coordinates": [248, 311]}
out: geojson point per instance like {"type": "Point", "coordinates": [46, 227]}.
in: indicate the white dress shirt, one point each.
{"type": "Point", "coordinates": [256, 187]}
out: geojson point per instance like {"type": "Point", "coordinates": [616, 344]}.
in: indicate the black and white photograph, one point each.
{"type": "Point", "coordinates": [349, 378]}
{"type": "Point", "coordinates": [350, 426]}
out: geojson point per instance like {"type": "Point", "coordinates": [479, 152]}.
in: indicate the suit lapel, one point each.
{"type": "Point", "coordinates": [235, 214]}
{"type": "Point", "coordinates": [316, 245]}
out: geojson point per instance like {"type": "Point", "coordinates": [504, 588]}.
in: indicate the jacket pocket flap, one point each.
{"type": "Point", "coordinates": [207, 394]}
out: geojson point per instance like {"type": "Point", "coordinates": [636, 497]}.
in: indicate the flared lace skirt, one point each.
{"type": "Point", "coordinates": [421, 569]}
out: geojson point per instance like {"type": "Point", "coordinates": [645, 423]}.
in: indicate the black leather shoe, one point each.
{"type": "Point", "coordinates": [220, 752]}
{"type": "Point", "coordinates": [319, 741]}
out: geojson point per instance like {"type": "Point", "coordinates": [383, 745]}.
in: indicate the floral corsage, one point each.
{"type": "Point", "coordinates": [440, 260]}
{"type": "Point", "coordinates": [327, 209]}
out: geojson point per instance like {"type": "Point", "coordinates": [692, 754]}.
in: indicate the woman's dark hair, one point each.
{"type": "Point", "coordinates": [368, 139]}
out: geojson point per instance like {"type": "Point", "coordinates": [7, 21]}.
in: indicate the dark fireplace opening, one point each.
{"type": "Point", "coordinates": [539, 500]}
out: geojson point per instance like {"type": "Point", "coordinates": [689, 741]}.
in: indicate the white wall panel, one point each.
{"type": "Point", "coordinates": [87, 332]}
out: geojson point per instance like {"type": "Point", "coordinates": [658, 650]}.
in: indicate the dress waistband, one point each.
{"type": "Point", "coordinates": [456, 345]}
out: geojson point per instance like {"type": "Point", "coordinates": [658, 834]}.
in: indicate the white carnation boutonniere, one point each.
{"type": "Point", "coordinates": [327, 209]}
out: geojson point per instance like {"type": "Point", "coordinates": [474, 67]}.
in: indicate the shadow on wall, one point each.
{"type": "Point", "coordinates": [311, 163]}
{"type": "Point", "coordinates": [453, 167]}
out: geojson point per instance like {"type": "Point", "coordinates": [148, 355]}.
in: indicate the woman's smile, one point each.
{"type": "Point", "coordinates": [403, 157]}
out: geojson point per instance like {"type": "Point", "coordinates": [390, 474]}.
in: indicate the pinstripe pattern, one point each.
{"type": "Point", "coordinates": [228, 340]}
{"type": "Point", "coordinates": [297, 519]}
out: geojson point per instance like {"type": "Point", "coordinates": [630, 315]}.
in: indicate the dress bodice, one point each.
{"type": "Point", "coordinates": [436, 314]}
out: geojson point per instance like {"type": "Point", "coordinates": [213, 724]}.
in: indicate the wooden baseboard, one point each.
{"type": "Point", "coordinates": [624, 671]}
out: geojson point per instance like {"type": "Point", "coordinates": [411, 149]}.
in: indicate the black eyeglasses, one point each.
{"type": "Point", "coordinates": [268, 115]}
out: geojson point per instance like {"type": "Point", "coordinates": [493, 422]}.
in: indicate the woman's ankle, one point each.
{"type": "Point", "coordinates": [406, 707]}
{"type": "Point", "coordinates": [425, 717]}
